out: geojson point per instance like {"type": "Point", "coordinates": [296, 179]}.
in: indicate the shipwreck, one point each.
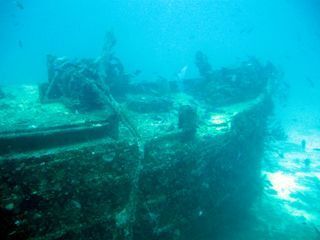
{"type": "Point", "coordinates": [91, 155]}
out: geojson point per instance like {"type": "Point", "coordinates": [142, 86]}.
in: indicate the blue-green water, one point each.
{"type": "Point", "coordinates": [160, 38]}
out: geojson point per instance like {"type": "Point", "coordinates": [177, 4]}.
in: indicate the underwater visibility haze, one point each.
{"type": "Point", "coordinates": [160, 119]}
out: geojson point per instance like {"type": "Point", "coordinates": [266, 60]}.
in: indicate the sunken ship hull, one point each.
{"type": "Point", "coordinates": [145, 168]}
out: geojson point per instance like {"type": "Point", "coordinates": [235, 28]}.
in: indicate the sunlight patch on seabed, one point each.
{"type": "Point", "coordinates": [284, 185]}
{"type": "Point", "coordinates": [294, 179]}
{"type": "Point", "coordinates": [288, 188]}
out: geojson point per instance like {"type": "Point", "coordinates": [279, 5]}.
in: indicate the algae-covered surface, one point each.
{"type": "Point", "coordinates": [211, 121]}
{"type": "Point", "coordinates": [21, 109]}
{"type": "Point", "coordinates": [158, 186]}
